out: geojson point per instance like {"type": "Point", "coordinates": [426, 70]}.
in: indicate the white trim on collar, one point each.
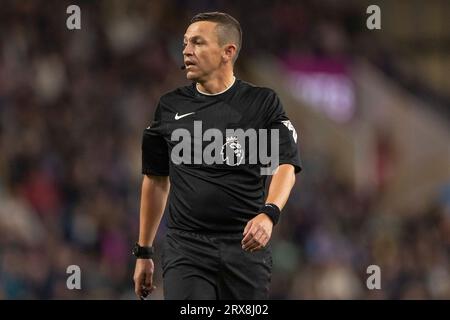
{"type": "Point", "coordinates": [215, 94]}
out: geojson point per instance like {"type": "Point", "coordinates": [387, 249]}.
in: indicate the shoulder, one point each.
{"type": "Point", "coordinates": [262, 97]}
{"type": "Point", "coordinates": [175, 95]}
{"type": "Point", "coordinates": [252, 89]}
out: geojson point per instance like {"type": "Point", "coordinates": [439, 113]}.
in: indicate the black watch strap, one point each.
{"type": "Point", "coordinates": [142, 252]}
{"type": "Point", "coordinates": [272, 211]}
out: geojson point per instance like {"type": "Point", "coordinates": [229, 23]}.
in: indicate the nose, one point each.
{"type": "Point", "coordinates": [187, 51]}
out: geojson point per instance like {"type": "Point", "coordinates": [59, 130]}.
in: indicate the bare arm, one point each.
{"type": "Point", "coordinates": [281, 185]}
{"type": "Point", "coordinates": [258, 230]}
{"type": "Point", "coordinates": [155, 190]}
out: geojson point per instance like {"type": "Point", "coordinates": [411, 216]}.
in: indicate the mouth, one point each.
{"type": "Point", "coordinates": [189, 64]}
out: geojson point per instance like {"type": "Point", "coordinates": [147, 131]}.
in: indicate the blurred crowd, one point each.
{"type": "Point", "coordinates": [73, 105]}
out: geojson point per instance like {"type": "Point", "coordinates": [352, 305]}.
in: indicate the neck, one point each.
{"type": "Point", "coordinates": [216, 84]}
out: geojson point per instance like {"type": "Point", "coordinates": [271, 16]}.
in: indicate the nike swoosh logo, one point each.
{"type": "Point", "coordinates": [177, 117]}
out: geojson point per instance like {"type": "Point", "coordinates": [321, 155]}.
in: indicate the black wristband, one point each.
{"type": "Point", "coordinates": [142, 252]}
{"type": "Point", "coordinates": [272, 211]}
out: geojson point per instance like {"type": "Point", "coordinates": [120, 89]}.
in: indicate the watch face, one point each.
{"type": "Point", "coordinates": [142, 252]}
{"type": "Point", "coordinates": [136, 250]}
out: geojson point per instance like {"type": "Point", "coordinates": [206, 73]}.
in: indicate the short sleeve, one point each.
{"type": "Point", "coordinates": [155, 157]}
{"type": "Point", "coordinates": [277, 119]}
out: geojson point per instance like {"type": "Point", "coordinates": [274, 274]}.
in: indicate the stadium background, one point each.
{"type": "Point", "coordinates": [371, 108]}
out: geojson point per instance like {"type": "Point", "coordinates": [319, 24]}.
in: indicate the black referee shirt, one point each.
{"type": "Point", "coordinates": [219, 197]}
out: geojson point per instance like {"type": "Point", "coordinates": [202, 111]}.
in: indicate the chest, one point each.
{"type": "Point", "coordinates": [198, 118]}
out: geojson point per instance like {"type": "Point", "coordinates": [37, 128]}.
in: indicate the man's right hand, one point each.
{"type": "Point", "coordinates": [143, 277]}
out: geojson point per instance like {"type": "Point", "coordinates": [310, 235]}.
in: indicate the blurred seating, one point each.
{"type": "Point", "coordinates": [73, 105]}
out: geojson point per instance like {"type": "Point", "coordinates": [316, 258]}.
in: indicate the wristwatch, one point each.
{"type": "Point", "coordinates": [272, 211]}
{"type": "Point", "coordinates": [142, 252]}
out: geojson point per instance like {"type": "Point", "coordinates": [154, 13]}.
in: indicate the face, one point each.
{"type": "Point", "coordinates": [202, 53]}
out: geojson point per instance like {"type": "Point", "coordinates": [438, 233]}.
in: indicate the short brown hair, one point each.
{"type": "Point", "coordinates": [228, 28]}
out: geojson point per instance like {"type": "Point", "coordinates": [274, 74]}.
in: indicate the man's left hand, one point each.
{"type": "Point", "coordinates": [257, 233]}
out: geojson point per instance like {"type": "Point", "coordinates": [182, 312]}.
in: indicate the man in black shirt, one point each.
{"type": "Point", "coordinates": [210, 149]}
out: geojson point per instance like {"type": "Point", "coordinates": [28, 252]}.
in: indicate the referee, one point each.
{"type": "Point", "coordinates": [220, 214]}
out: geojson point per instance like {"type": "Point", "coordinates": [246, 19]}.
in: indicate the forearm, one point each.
{"type": "Point", "coordinates": [154, 194]}
{"type": "Point", "coordinates": [281, 185]}
{"type": "Point", "coordinates": [258, 230]}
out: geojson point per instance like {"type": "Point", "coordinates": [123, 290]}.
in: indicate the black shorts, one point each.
{"type": "Point", "coordinates": [198, 266]}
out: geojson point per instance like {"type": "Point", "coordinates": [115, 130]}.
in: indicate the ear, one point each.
{"type": "Point", "coordinates": [229, 52]}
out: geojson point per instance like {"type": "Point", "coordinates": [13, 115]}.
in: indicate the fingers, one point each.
{"type": "Point", "coordinates": [138, 285]}
{"type": "Point", "coordinates": [143, 280]}
{"type": "Point", "coordinates": [255, 239]}
{"type": "Point", "coordinates": [144, 294]}
{"type": "Point", "coordinates": [263, 242]}
{"type": "Point", "coordinates": [146, 291]}
{"type": "Point", "coordinates": [142, 291]}
{"type": "Point", "coordinates": [248, 236]}
{"type": "Point", "coordinates": [148, 281]}
{"type": "Point", "coordinates": [253, 242]}
{"type": "Point", "coordinates": [248, 233]}
{"type": "Point", "coordinates": [247, 227]}
{"type": "Point", "coordinates": [146, 286]}
{"type": "Point", "coordinates": [259, 241]}
{"type": "Point", "coordinates": [251, 246]}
